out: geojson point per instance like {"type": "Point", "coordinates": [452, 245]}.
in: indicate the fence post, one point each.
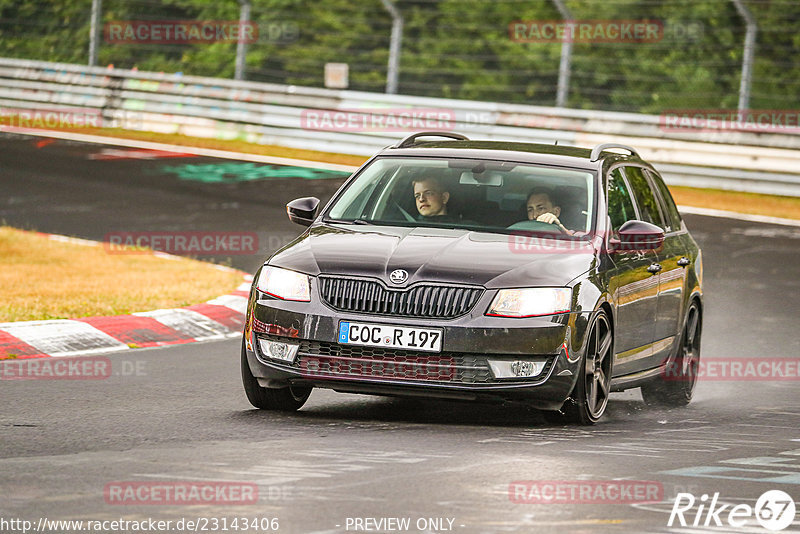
{"type": "Point", "coordinates": [241, 46]}
{"type": "Point", "coordinates": [566, 55]}
{"type": "Point", "coordinates": [394, 47]}
{"type": "Point", "coordinates": [749, 54]}
{"type": "Point", "coordinates": [94, 32]}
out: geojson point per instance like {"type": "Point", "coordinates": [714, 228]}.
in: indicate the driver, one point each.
{"type": "Point", "coordinates": [431, 199]}
{"type": "Point", "coordinates": [544, 208]}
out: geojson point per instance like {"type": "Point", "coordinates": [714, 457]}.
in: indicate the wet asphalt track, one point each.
{"type": "Point", "coordinates": [183, 415]}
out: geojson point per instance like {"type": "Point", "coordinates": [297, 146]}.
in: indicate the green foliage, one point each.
{"type": "Point", "coordinates": [451, 48]}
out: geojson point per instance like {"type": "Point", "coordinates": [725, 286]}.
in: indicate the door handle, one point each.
{"type": "Point", "coordinates": [654, 268]}
{"type": "Point", "coordinates": [684, 261]}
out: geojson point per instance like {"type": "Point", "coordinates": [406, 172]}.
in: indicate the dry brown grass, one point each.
{"type": "Point", "coordinates": [46, 279]}
{"type": "Point", "coordinates": [753, 203]}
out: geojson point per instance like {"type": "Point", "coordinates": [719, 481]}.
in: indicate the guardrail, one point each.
{"type": "Point", "coordinates": [281, 115]}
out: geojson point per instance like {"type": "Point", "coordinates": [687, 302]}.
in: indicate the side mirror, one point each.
{"type": "Point", "coordinates": [637, 236]}
{"type": "Point", "coordinates": [303, 211]}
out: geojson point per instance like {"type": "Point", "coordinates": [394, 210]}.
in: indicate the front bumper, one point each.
{"type": "Point", "coordinates": [460, 371]}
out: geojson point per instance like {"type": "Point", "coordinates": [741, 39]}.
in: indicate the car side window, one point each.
{"type": "Point", "coordinates": [620, 206]}
{"type": "Point", "coordinates": [649, 210]}
{"type": "Point", "coordinates": [670, 210]}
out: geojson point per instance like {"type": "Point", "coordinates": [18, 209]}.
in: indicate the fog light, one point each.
{"type": "Point", "coordinates": [516, 368]}
{"type": "Point", "coordinates": [277, 350]}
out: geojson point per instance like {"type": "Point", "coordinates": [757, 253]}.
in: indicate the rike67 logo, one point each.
{"type": "Point", "coordinates": [774, 510]}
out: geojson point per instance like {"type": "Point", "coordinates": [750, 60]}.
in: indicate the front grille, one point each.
{"type": "Point", "coordinates": [318, 358]}
{"type": "Point", "coordinates": [370, 296]}
{"type": "Point", "coordinates": [324, 359]}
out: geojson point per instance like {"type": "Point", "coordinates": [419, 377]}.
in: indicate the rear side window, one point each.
{"type": "Point", "coordinates": [670, 210]}
{"type": "Point", "coordinates": [620, 206]}
{"type": "Point", "coordinates": [643, 194]}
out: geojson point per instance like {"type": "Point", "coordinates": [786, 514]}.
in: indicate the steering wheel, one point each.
{"type": "Point", "coordinates": [535, 226]}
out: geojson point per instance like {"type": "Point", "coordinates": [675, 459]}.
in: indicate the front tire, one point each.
{"type": "Point", "coordinates": [675, 387]}
{"type": "Point", "coordinates": [588, 400]}
{"type": "Point", "coordinates": [288, 399]}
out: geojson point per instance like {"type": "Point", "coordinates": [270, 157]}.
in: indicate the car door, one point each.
{"type": "Point", "coordinates": [669, 277]}
{"type": "Point", "coordinates": [674, 259]}
{"type": "Point", "coordinates": [630, 280]}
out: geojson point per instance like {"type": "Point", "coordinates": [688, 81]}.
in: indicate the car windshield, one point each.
{"type": "Point", "coordinates": [481, 195]}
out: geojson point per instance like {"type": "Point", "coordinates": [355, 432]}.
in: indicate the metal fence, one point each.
{"type": "Point", "coordinates": [33, 92]}
{"type": "Point", "coordinates": [701, 54]}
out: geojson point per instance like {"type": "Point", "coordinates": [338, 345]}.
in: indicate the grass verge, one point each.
{"type": "Point", "coordinates": [46, 279]}
{"type": "Point", "coordinates": [752, 203]}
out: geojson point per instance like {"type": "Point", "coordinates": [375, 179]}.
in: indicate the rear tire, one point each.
{"type": "Point", "coordinates": [675, 387]}
{"type": "Point", "coordinates": [288, 399]}
{"type": "Point", "coordinates": [588, 400]}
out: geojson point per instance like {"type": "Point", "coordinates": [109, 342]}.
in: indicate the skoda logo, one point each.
{"type": "Point", "coordinates": [398, 276]}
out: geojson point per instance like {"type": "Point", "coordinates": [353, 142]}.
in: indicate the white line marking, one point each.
{"type": "Point", "coordinates": [197, 151]}
{"type": "Point", "coordinates": [73, 240]}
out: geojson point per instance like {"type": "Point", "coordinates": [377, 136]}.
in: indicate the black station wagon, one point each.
{"type": "Point", "coordinates": [482, 270]}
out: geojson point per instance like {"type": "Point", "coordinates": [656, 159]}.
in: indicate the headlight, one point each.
{"type": "Point", "coordinates": [530, 302]}
{"type": "Point", "coordinates": [284, 284]}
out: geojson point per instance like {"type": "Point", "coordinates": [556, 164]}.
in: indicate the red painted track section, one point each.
{"type": "Point", "coordinates": [12, 347]}
{"type": "Point", "coordinates": [138, 331]}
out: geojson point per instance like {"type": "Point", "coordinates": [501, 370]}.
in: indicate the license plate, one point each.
{"type": "Point", "coordinates": [390, 337]}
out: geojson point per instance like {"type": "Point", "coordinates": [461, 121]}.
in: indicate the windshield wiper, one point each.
{"type": "Point", "coordinates": [353, 221]}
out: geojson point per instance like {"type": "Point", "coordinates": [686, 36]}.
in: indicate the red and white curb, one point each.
{"type": "Point", "coordinates": [219, 318]}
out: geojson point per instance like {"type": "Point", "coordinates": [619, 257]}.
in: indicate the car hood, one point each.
{"type": "Point", "coordinates": [436, 254]}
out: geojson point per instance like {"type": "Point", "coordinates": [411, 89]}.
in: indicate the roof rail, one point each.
{"type": "Point", "coordinates": [410, 140]}
{"type": "Point", "coordinates": [599, 148]}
